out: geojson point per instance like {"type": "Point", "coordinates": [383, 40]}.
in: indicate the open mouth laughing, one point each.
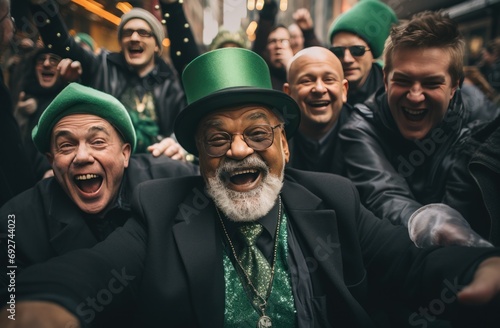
{"type": "Point", "coordinates": [135, 50]}
{"type": "Point", "coordinates": [47, 75]}
{"type": "Point", "coordinates": [318, 103]}
{"type": "Point", "coordinates": [88, 183]}
{"type": "Point", "coordinates": [243, 176]}
{"type": "Point", "coordinates": [414, 114]}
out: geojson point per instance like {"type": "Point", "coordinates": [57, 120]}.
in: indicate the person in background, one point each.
{"type": "Point", "coordinates": [302, 31]}
{"type": "Point", "coordinates": [398, 145]}
{"type": "Point", "coordinates": [44, 77]}
{"type": "Point", "coordinates": [86, 41]}
{"type": "Point", "coordinates": [272, 40]}
{"type": "Point", "coordinates": [234, 246]}
{"type": "Point", "coordinates": [490, 63]}
{"type": "Point", "coordinates": [226, 38]}
{"type": "Point", "coordinates": [357, 37]}
{"type": "Point", "coordinates": [147, 86]}
{"type": "Point", "coordinates": [479, 97]}
{"type": "Point", "coordinates": [296, 38]}
{"type": "Point", "coordinates": [316, 82]}
{"type": "Point", "coordinates": [277, 54]}
{"type": "Point", "coordinates": [16, 173]}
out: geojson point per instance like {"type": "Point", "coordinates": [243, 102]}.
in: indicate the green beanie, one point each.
{"type": "Point", "coordinates": [85, 38]}
{"type": "Point", "coordinates": [369, 19]}
{"type": "Point", "coordinates": [78, 99]}
{"type": "Point", "coordinates": [225, 36]}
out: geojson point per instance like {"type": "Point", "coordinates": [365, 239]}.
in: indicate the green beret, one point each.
{"type": "Point", "coordinates": [78, 99]}
{"type": "Point", "coordinates": [369, 19]}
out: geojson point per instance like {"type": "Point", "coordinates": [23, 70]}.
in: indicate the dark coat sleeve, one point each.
{"type": "Point", "coordinates": [382, 187]}
{"type": "Point", "coordinates": [183, 47]}
{"type": "Point", "coordinates": [55, 34]}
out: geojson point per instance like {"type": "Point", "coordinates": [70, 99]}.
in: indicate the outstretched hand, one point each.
{"type": "Point", "coordinates": [69, 70]}
{"type": "Point", "coordinates": [485, 286]}
{"type": "Point", "coordinates": [168, 147]}
{"type": "Point", "coordinates": [440, 225]}
{"type": "Point", "coordinates": [38, 314]}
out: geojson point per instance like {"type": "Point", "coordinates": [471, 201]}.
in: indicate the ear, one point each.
{"type": "Point", "coordinates": [454, 89]}
{"type": "Point", "coordinates": [126, 152]}
{"type": "Point", "coordinates": [284, 146]}
{"type": "Point", "coordinates": [345, 88]}
{"type": "Point", "coordinates": [50, 158]}
{"type": "Point", "coordinates": [286, 88]}
{"type": "Point", "coordinates": [385, 80]}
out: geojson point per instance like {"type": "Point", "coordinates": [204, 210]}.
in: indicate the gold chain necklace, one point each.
{"type": "Point", "coordinates": [264, 320]}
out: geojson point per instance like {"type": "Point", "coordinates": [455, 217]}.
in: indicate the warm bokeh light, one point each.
{"type": "Point", "coordinates": [124, 7]}
{"type": "Point", "coordinates": [96, 8]}
{"type": "Point", "coordinates": [283, 5]}
{"type": "Point", "coordinates": [251, 5]}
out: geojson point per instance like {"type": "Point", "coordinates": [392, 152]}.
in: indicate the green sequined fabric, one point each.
{"type": "Point", "coordinates": [239, 311]}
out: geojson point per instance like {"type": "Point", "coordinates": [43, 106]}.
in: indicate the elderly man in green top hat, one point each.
{"type": "Point", "coordinates": [88, 138]}
{"type": "Point", "coordinates": [248, 243]}
{"type": "Point", "coordinates": [357, 38]}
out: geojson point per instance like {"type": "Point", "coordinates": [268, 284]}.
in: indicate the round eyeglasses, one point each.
{"type": "Point", "coordinates": [257, 137]}
{"type": "Point", "coordinates": [51, 58]}
{"type": "Point", "coordinates": [356, 51]}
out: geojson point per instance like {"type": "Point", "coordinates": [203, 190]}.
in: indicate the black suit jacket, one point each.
{"type": "Point", "coordinates": [47, 223]}
{"type": "Point", "coordinates": [170, 262]}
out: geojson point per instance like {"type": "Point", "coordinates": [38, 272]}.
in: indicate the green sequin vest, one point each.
{"type": "Point", "coordinates": [239, 311]}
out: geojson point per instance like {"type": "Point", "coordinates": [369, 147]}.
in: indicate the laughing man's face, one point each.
{"type": "Point", "coordinates": [242, 172]}
{"type": "Point", "coordinates": [139, 50]}
{"type": "Point", "coordinates": [419, 89]}
{"type": "Point", "coordinates": [88, 157]}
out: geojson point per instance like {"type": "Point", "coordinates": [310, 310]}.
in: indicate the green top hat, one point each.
{"type": "Point", "coordinates": [224, 78]}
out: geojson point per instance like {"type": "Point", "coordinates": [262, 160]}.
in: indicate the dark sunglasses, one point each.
{"type": "Point", "coordinates": [356, 51]}
{"type": "Point", "coordinates": [127, 33]}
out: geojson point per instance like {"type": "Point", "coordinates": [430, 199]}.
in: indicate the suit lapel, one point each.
{"type": "Point", "coordinates": [199, 241]}
{"type": "Point", "coordinates": [316, 229]}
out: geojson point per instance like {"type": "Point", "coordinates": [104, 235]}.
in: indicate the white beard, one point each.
{"type": "Point", "coordinates": [245, 206]}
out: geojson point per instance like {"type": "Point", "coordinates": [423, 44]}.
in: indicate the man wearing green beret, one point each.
{"type": "Point", "coordinates": [250, 243]}
{"type": "Point", "coordinates": [16, 172]}
{"type": "Point", "coordinates": [89, 139]}
{"type": "Point", "coordinates": [357, 38]}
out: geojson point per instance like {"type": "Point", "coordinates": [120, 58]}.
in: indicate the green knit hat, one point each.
{"type": "Point", "coordinates": [224, 78]}
{"type": "Point", "coordinates": [225, 36]}
{"type": "Point", "coordinates": [78, 99]}
{"type": "Point", "coordinates": [85, 38]}
{"type": "Point", "coordinates": [369, 19]}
